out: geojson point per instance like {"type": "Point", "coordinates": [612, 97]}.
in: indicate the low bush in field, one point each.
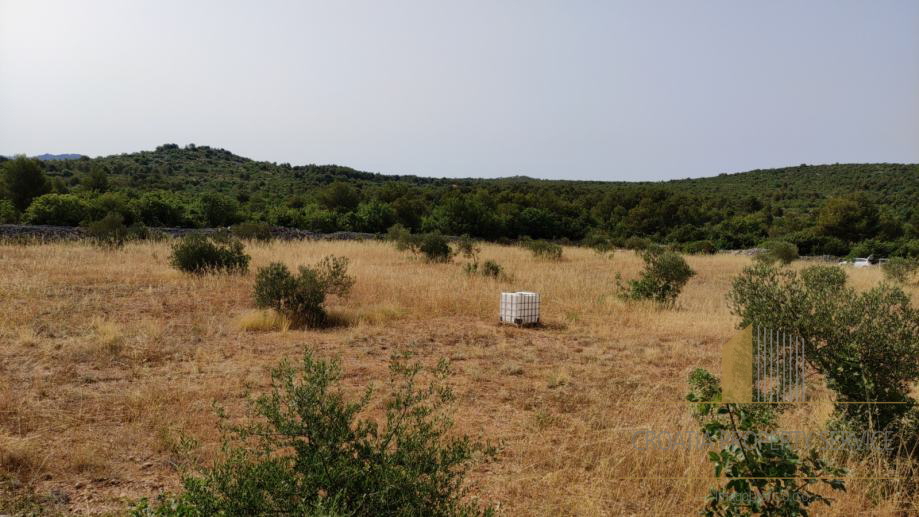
{"type": "Point", "coordinates": [403, 239]}
{"type": "Point", "coordinates": [492, 269]}
{"type": "Point", "coordinates": [700, 248]}
{"type": "Point", "coordinates": [202, 254]}
{"type": "Point", "coordinates": [489, 269]}
{"type": "Point", "coordinates": [600, 242]}
{"type": "Point", "coordinates": [435, 248]}
{"type": "Point", "coordinates": [543, 249]}
{"type": "Point", "coordinates": [663, 277]}
{"type": "Point", "coordinates": [109, 231]}
{"type": "Point", "coordinates": [637, 243]}
{"type": "Point", "coordinates": [782, 252]}
{"type": "Point", "coordinates": [311, 453]}
{"type": "Point", "coordinates": [301, 298]}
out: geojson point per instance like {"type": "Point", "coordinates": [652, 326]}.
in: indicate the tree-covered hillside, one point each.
{"type": "Point", "coordinates": [824, 209]}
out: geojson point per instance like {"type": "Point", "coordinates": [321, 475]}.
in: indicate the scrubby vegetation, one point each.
{"type": "Point", "coordinates": [301, 298]}
{"type": "Point", "coordinates": [838, 209]}
{"type": "Point", "coordinates": [901, 269]}
{"type": "Point", "coordinates": [543, 249]}
{"type": "Point", "coordinates": [260, 232]}
{"type": "Point", "coordinates": [852, 338]}
{"type": "Point", "coordinates": [311, 453]}
{"type": "Point", "coordinates": [663, 277]}
{"type": "Point", "coordinates": [765, 477]}
{"type": "Point", "coordinates": [435, 248]}
{"type": "Point", "coordinates": [781, 252]}
{"type": "Point", "coordinates": [109, 231]}
{"type": "Point", "coordinates": [199, 254]}
{"type": "Point", "coordinates": [155, 349]}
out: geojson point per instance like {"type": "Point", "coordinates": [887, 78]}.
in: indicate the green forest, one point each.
{"type": "Point", "coordinates": [838, 209]}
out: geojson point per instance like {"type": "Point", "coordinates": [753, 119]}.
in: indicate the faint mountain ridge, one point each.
{"type": "Point", "coordinates": [64, 156]}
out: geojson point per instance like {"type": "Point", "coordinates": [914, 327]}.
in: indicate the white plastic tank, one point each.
{"type": "Point", "coordinates": [520, 308]}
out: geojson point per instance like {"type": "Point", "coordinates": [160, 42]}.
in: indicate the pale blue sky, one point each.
{"type": "Point", "coordinates": [564, 89]}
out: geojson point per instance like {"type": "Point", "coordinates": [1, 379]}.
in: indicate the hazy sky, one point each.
{"type": "Point", "coordinates": [563, 89]}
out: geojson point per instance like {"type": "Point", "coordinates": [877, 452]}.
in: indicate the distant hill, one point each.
{"type": "Point", "coordinates": [729, 210]}
{"type": "Point", "coordinates": [49, 157]}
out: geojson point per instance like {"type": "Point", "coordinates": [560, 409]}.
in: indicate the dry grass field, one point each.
{"type": "Point", "coordinates": [108, 358]}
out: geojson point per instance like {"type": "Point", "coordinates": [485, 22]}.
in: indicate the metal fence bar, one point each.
{"type": "Point", "coordinates": [786, 366]}
{"type": "Point", "coordinates": [779, 366]}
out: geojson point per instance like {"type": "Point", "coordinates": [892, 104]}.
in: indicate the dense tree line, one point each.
{"type": "Point", "coordinates": [827, 209]}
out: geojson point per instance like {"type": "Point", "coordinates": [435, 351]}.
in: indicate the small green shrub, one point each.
{"type": "Point", "coordinates": [252, 231]}
{"type": "Point", "coordinates": [8, 213]}
{"type": "Point", "coordinates": [403, 239]}
{"type": "Point", "coordinates": [637, 243]}
{"type": "Point", "coordinates": [435, 248]}
{"type": "Point", "coordinates": [900, 269]}
{"type": "Point", "coordinates": [492, 269]}
{"type": "Point", "coordinates": [543, 249]}
{"type": "Point", "coordinates": [600, 242]}
{"type": "Point", "coordinates": [782, 252]}
{"type": "Point", "coordinates": [760, 465]}
{"type": "Point", "coordinates": [200, 254]}
{"type": "Point", "coordinates": [302, 297]}
{"type": "Point", "coordinates": [663, 277]}
{"type": "Point", "coordinates": [700, 248]}
{"type": "Point", "coordinates": [468, 248]}
{"type": "Point", "coordinates": [109, 232]}
{"type": "Point", "coordinates": [489, 269]}
{"type": "Point", "coordinates": [311, 453]}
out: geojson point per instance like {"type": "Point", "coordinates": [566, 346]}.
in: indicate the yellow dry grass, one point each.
{"type": "Point", "coordinates": [265, 320]}
{"type": "Point", "coordinates": [107, 358]}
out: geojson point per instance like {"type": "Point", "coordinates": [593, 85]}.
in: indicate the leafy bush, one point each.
{"type": "Point", "coordinates": [599, 242]}
{"type": "Point", "coordinates": [874, 247]}
{"type": "Point", "coordinates": [900, 269]}
{"type": "Point", "coordinates": [700, 247]}
{"type": "Point", "coordinates": [310, 453]}
{"type": "Point", "coordinates": [218, 210]}
{"type": "Point", "coordinates": [302, 297]}
{"type": "Point", "coordinates": [852, 338]}
{"type": "Point", "coordinates": [782, 252]}
{"type": "Point", "coordinates": [56, 209]}
{"type": "Point", "coordinates": [403, 239]}
{"type": "Point", "coordinates": [8, 213]}
{"type": "Point", "coordinates": [489, 268]}
{"type": "Point", "coordinates": [159, 208]}
{"type": "Point", "coordinates": [109, 231]}
{"type": "Point", "coordinates": [111, 202]}
{"type": "Point", "coordinates": [637, 243]}
{"type": "Point", "coordinates": [492, 269]}
{"type": "Point", "coordinates": [543, 249]}
{"type": "Point", "coordinates": [199, 254]}
{"type": "Point", "coordinates": [435, 248]}
{"type": "Point", "coordinates": [663, 277]}
{"type": "Point", "coordinates": [761, 466]}
{"type": "Point", "coordinates": [468, 248]}
{"type": "Point", "coordinates": [252, 231]}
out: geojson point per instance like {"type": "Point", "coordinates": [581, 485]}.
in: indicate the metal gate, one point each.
{"type": "Point", "coordinates": [778, 366]}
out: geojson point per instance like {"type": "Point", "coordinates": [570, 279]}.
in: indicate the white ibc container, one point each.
{"type": "Point", "coordinates": [520, 308]}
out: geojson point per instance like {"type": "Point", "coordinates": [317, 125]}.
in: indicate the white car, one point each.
{"type": "Point", "coordinates": [861, 262]}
